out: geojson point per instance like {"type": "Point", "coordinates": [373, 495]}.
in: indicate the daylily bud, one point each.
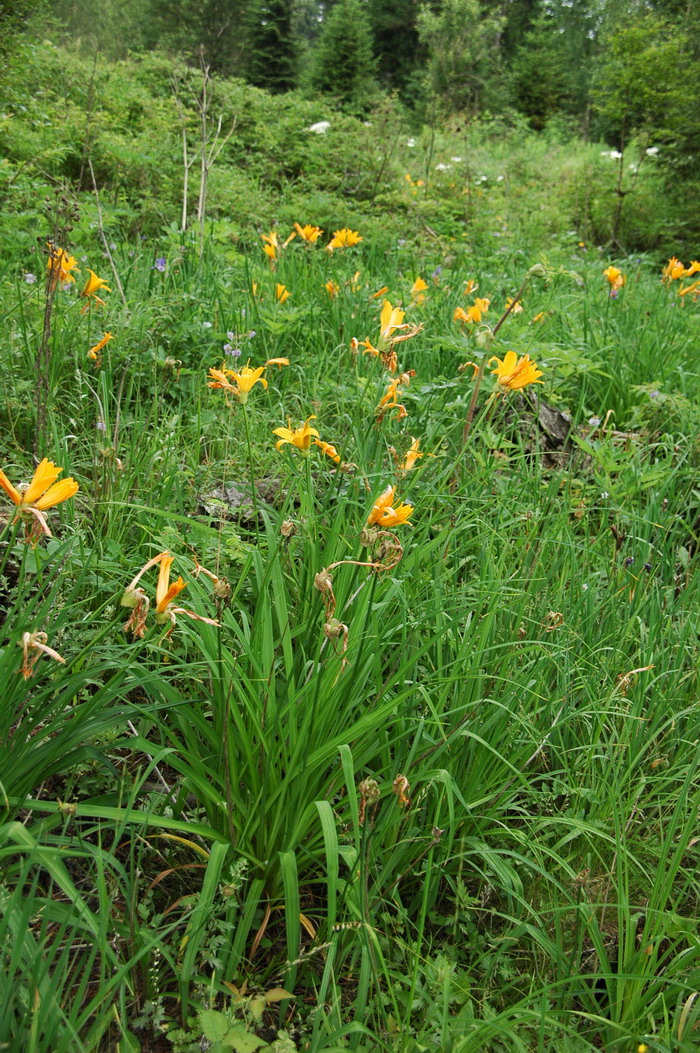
{"type": "Point", "coordinates": [537, 271]}
{"type": "Point", "coordinates": [484, 338]}
{"type": "Point", "coordinates": [222, 589]}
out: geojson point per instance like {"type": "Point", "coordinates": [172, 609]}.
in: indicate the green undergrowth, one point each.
{"type": "Point", "coordinates": [402, 786]}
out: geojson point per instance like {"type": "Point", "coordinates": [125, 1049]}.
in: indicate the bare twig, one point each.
{"type": "Point", "coordinates": [103, 235]}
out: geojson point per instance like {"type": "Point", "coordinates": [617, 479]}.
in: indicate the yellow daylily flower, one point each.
{"type": "Point", "coordinates": [391, 318]}
{"type": "Point", "coordinates": [513, 373]}
{"type": "Point", "coordinates": [691, 290]}
{"type": "Point", "coordinates": [279, 362]}
{"type": "Point", "coordinates": [332, 288]}
{"type": "Point", "coordinates": [166, 593]}
{"type": "Point", "coordinates": [517, 308]}
{"type": "Point", "coordinates": [380, 292]}
{"type": "Point", "coordinates": [470, 286]}
{"type": "Point", "coordinates": [243, 381]}
{"type": "Point", "coordinates": [282, 293]}
{"type": "Point", "coordinates": [271, 247]}
{"type": "Point", "coordinates": [344, 238]}
{"type": "Point", "coordinates": [418, 290]}
{"type": "Point", "coordinates": [308, 233]}
{"type": "Point", "coordinates": [59, 265]}
{"type": "Point", "coordinates": [299, 437]}
{"type": "Point", "coordinates": [42, 493]}
{"type": "Point", "coordinates": [94, 352]}
{"type": "Point", "coordinates": [92, 287]}
{"type": "Point", "coordinates": [615, 278]}
{"type": "Point", "coordinates": [328, 449]}
{"type": "Point", "coordinates": [412, 455]}
{"type": "Point", "coordinates": [674, 269]}
{"type": "Point", "coordinates": [694, 268]}
{"type": "Point", "coordinates": [136, 599]}
{"type": "Point", "coordinates": [389, 399]}
{"type": "Point", "coordinates": [471, 315]}
{"type": "Point", "coordinates": [383, 513]}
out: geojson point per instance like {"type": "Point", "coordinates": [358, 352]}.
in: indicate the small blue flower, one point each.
{"type": "Point", "coordinates": [159, 265]}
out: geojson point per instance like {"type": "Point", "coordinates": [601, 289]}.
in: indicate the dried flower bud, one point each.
{"type": "Point", "coordinates": [323, 581]}
{"type": "Point", "coordinates": [222, 589]}
{"type": "Point", "coordinates": [288, 528]}
{"type": "Point", "coordinates": [334, 629]}
{"type": "Point", "coordinates": [369, 788]}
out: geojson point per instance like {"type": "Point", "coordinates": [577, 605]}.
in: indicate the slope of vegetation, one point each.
{"type": "Point", "coordinates": [380, 738]}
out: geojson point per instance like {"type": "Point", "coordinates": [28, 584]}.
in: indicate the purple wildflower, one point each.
{"type": "Point", "coordinates": [30, 278]}
{"type": "Point", "coordinates": [159, 265]}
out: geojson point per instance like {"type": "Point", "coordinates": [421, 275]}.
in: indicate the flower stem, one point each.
{"type": "Point", "coordinates": [250, 468]}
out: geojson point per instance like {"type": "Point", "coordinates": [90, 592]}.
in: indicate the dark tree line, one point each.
{"type": "Point", "coordinates": [612, 68]}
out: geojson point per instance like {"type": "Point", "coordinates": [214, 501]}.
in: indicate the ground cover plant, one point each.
{"type": "Point", "coordinates": [350, 619]}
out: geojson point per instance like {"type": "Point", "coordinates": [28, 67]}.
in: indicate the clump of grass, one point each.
{"type": "Point", "coordinates": [403, 728]}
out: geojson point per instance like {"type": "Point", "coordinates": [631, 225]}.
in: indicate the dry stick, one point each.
{"type": "Point", "coordinates": [482, 367]}
{"type": "Point", "coordinates": [187, 161]}
{"type": "Point", "coordinates": [210, 150]}
{"type": "Point", "coordinates": [101, 229]}
{"type": "Point", "coordinates": [43, 360]}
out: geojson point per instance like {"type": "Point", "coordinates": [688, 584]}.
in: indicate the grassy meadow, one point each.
{"type": "Point", "coordinates": [351, 698]}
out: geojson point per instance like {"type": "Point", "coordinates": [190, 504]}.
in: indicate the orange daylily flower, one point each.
{"type": "Point", "coordinates": [42, 493]}
{"type": "Point", "coordinates": [380, 292]}
{"type": "Point", "coordinates": [308, 233]}
{"type": "Point", "coordinates": [513, 373]}
{"type": "Point", "coordinates": [166, 593]}
{"type": "Point", "coordinates": [332, 288]}
{"type": "Point", "coordinates": [59, 265]}
{"type": "Point", "coordinates": [418, 290]}
{"type": "Point", "coordinates": [343, 239]}
{"type": "Point", "coordinates": [691, 290]}
{"type": "Point", "coordinates": [243, 381]}
{"type": "Point", "coordinates": [383, 513]}
{"type": "Point", "coordinates": [615, 278]}
{"type": "Point", "coordinates": [299, 437]}
{"type": "Point", "coordinates": [94, 352]}
{"type": "Point", "coordinates": [328, 449]}
{"type": "Point", "coordinates": [272, 246]}
{"type": "Point", "coordinates": [279, 362]}
{"type": "Point", "coordinates": [91, 289]}
{"type": "Point", "coordinates": [517, 308]}
{"type": "Point", "coordinates": [674, 269]}
{"type": "Point", "coordinates": [473, 313]}
{"type": "Point", "coordinates": [135, 598]}
{"type": "Point", "coordinates": [412, 455]}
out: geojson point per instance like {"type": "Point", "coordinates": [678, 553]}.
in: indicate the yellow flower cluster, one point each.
{"type": "Point", "coordinates": [309, 234]}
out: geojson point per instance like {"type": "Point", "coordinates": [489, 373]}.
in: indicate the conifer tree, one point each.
{"type": "Point", "coordinates": [396, 44]}
{"type": "Point", "coordinates": [343, 63]}
{"type": "Point", "coordinates": [271, 46]}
